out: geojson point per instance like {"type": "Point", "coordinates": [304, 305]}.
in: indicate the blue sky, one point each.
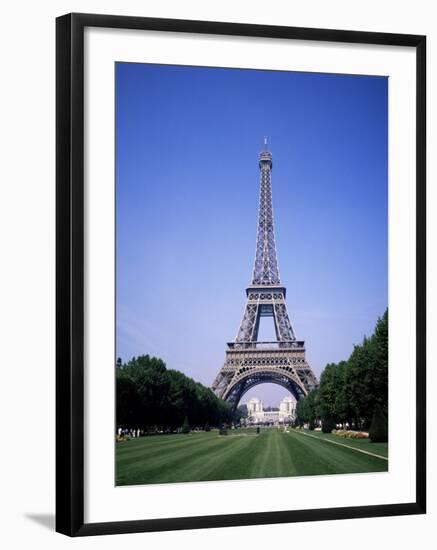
{"type": "Point", "coordinates": [187, 183]}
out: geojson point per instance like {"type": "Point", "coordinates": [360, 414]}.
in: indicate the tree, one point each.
{"type": "Point", "coordinates": [328, 424]}
{"type": "Point", "coordinates": [380, 372]}
{"type": "Point", "coordinates": [186, 428]}
{"type": "Point", "coordinates": [348, 391]}
{"type": "Point", "coordinates": [181, 400]}
{"type": "Point", "coordinates": [239, 413]}
{"type": "Point", "coordinates": [141, 384]}
{"type": "Point", "coordinates": [150, 396]}
{"type": "Point", "coordinates": [362, 397]}
{"type": "Point", "coordinates": [327, 391]}
{"type": "Point", "coordinates": [378, 432]}
{"type": "Point", "coordinates": [342, 410]}
{"type": "Point", "coordinates": [128, 402]}
{"type": "Point", "coordinates": [306, 408]}
{"type": "Point", "coordinates": [369, 374]}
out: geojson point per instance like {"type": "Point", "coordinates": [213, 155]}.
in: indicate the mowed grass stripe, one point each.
{"type": "Point", "coordinates": [163, 440]}
{"type": "Point", "coordinates": [153, 446]}
{"type": "Point", "coordinates": [355, 449]}
{"type": "Point", "coordinates": [238, 464]}
{"type": "Point", "coordinates": [365, 444]}
{"type": "Point", "coordinates": [148, 460]}
{"type": "Point", "coordinates": [270, 457]}
{"type": "Point", "coordinates": [316, 457]}
{"type": "Point", "coordinates": [258, 460]}
{"type": "Point", "coordinates": [310, 459]}
{"type": "Point", "coordinates": [227, 461]}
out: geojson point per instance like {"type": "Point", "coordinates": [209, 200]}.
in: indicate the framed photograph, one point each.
{"type": "Point", "coordinates": [240, 274]}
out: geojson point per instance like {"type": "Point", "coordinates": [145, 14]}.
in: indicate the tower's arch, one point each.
{"type": "Point", "coordinates": [247, 380]}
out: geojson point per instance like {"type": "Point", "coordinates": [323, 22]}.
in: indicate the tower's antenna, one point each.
{"type": "Point", "coordinates": [265, 143]}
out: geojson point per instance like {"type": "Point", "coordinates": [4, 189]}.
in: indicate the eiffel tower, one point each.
{"type": "Point", "coordinates": [250, 362]}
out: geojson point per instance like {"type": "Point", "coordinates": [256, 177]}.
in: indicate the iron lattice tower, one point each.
{"type": "Point", "coordinates": [250, 362]}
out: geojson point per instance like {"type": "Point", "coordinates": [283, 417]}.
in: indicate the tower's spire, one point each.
{"type": "Point", "coordinates": [265, 271]}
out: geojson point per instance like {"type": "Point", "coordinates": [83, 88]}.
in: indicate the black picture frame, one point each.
{"type": "Point", "coordinates": [70, 273]}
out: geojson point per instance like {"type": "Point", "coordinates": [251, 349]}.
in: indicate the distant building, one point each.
{"type": "Point", "coordinates": [257, 415]}
{"type": "Point", "coordinates": [255, 411]}
{"type": "Point", "coordinates": [287, 409]}
{"type": "Point", "coordinates": [271, 417]}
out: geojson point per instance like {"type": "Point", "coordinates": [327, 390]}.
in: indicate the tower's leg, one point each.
{"type": "Point", "coordinates": [249, 325]}
{"type": "Point", "coordinates": [221, 383]}
{"type": "Point", "coordinates": [284, 328]}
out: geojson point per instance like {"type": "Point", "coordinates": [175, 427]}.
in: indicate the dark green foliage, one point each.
{"type": "Point", "coordinates": [378, 432]}
{"type": "Point", "coordinates": [328, 424]}
{"type": "Point", "coordinates": [348, 391]}
{"type": "Point", "coordinates": [186, 426]}
{"type": "Point", "coordinates": [152, 397]}
{"type": "Point", "coordinates": [128, 401]}
{"type": "Point", "coordinates": [306, 409]}
{"type": "Point", "coordinates": [238, 414]}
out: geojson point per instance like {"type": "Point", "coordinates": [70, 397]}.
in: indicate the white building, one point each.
{"type": "Point", "coordinates": [287, 409]}
{"type": "Point", "coordinates": [257, 414]}
{"type": "Point", "coordinates": [255, 411]}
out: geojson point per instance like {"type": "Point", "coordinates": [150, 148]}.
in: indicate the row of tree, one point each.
{"type": "Point", "coordinates": [151, 397]}
{"type": "Point", "coordinates": [353, 391]}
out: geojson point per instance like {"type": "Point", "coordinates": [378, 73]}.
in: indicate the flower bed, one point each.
{"type": "Point", "coordinates": [350, 434]}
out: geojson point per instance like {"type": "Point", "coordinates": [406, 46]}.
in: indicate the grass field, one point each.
{"type": "Point", "coordinates": [206, 456]}
{"type": "Point", "coordinates": [363, 444]}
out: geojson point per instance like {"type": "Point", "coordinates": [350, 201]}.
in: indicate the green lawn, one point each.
{"type": "Point", "coordinates": [364, 444]}
{"type": "Point", "coordinates": [206, 456]}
